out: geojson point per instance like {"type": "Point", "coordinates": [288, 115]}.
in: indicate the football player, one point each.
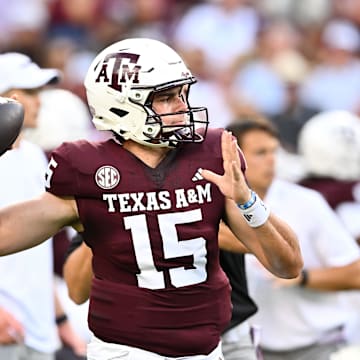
{"type": "Point", "coordinates": [148, 211]}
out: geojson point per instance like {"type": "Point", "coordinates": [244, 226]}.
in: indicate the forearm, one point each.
{"type": "Point", "coordinates": [333, 278]}
{"type": "Point", "coordinates": [229, 242]}
{"type": "Point", "coordinates": [17, 230]}
{"type": "Point", "coordinates": [67, 334]}
{"type": "Point", "coordinates": [78, 273]}
{"type": "Point", "coordinates": [280, 245]}
{"type": "Point", "coordinates": [27, 224]}
{"type": "Point", "coordinates": [273, 243]}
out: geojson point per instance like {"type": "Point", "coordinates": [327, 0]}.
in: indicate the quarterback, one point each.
{"type": "Point", "coordinates": [148, 203]}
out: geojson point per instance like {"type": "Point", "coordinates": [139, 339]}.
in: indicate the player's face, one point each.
{"type": "Point", "coordinates": [170, 101]}
{"type": "Point", "coordinates": [260, 150]}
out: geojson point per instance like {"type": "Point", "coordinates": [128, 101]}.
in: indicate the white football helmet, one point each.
{"type": "Point", "coordinates": [330, 144]}
{"type": "Point", "coordinates": [119, 86]}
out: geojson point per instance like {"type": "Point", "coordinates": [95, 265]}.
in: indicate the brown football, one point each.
{"type": "Point", "coordinates": [11, 120]}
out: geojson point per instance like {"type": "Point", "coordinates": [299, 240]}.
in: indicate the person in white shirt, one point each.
{"type": "Point", "coordinates": [29, 312]}
{"type": "Point", "coordinates": [340, 185]}
{"type": "Point", "coordinates": [302, 318]}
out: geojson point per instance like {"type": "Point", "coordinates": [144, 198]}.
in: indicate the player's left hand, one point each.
{"type": "Point", "coordinates": [11, 121]}
{"type": "Point", "coordinates": [232, 183]}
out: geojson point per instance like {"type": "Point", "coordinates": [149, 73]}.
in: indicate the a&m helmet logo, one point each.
{"type": "Point", "coordinates": [115, 70]}
{"type": "Point", "coordinates": [107, 177]}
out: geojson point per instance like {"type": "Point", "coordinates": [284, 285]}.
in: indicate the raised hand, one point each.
{"type": "Point", "coordinates": [232, 183]}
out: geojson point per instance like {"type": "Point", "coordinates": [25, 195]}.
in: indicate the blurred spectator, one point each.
{"type": "Point", "coordinates": [339, 68]}
{"type": "Point", "coordinates": [63, 116]}
{"type": "Point", "coordinates": [348, 9]}
{"type": "Point", "coordinates": [71, 59]}
{"type": "Point", "coordinates": [208, 91]}
{"type": "Point", "coordinates": [292, 67]}
{"type": "Point", "coordinates": [28, 299]}
{"type": "Point", "coordinates": [22, 25]}
{"type": "Point", "coordinates": [305, 12]}
{"type": "Point", "coordinates": [213, 26]}
{"type": "Point", "coordinates": [256, 84]}
{"type": "Point", "coordinates": [56, 124]}
{"type": "Point", "coordinates": [75, 19]}
{"type": "Point", "coordinates": [152, 19]}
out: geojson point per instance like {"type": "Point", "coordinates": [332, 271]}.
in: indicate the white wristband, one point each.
{"type": "Point", "coordinates": [257, 214]}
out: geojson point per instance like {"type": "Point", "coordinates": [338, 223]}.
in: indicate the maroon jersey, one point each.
{"type": "Point", "coordinates": [158, 284]}
{"type": "Point", "coordinates": [335, 191]}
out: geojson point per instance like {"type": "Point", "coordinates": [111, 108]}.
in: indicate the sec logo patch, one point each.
{"type": "Point", "coordinates": [107, 177]}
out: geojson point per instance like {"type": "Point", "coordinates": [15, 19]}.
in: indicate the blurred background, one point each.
{"type": "Point", "coordinates": [283, 58]}
{"type": "Point", "coordinates": [287, 60]}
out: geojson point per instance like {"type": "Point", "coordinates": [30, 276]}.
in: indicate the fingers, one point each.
{"type": "Point", "coordinates": [210, 176]}
{"type": "Point", "coordinates": [236, 172]}
{"type": "Point", "coordinates": [230, 153]}
{"type": "Point", "coordinates": [15, 329]}
{"type": "Point", "coordinates": [227, 149]}
{"type": "Point", "coordinates": [14, 335]}
{"type": "Point", "coordinates": [11, 330]}
{"type": "Point", "coordinates": [231, 183]}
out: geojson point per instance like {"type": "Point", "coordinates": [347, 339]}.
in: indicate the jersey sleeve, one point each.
{"type": "Point", "coordinates": [61, 175]}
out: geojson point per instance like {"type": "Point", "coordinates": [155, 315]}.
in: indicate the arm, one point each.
{"type": "Point", "coordinates": [35, 221]}
{"type": "Point", "coordinates": [273, 242]}
{"type": "Point", "coordinates": [229, 242]}
{"type": "Point", "coordinates": [334, 278]}
{"type": "Point", "coordinates": [78, 273]}
{"type": "Point", "coordinates": [66, 332]}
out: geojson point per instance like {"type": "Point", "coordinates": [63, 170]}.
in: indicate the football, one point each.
{"type": "Point", "coordinates": [11, 120]}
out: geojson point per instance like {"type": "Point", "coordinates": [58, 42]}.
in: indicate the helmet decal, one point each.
{"type": "Point", "coordinates": [117, 67]}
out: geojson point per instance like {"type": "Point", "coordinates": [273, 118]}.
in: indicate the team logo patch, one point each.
{"type": "Point", "coordinates": [107, 177]}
